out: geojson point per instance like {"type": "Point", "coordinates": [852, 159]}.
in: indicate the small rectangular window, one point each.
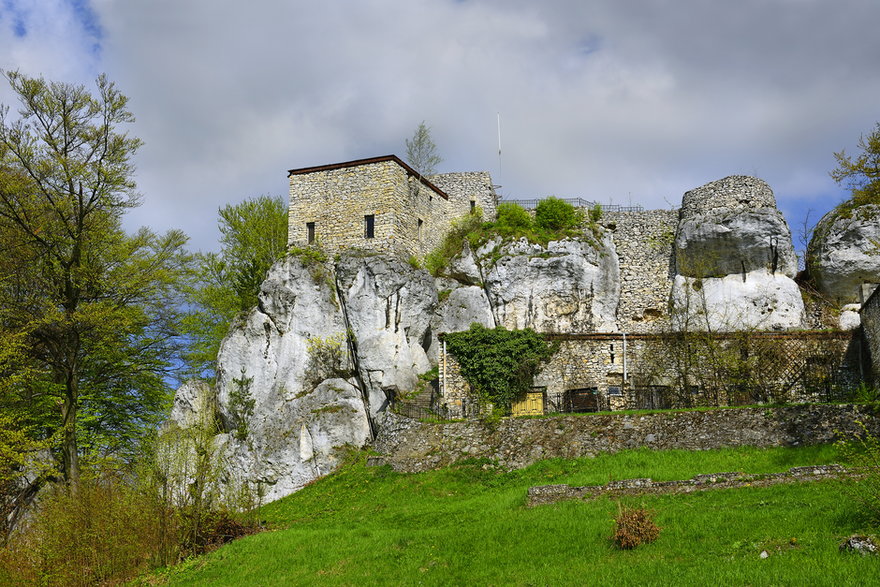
{"type": "Point", "coordinates": [369, 225]}
{"type": "Point", "coordinates": [310, 229]}
{"type": "Point", "coordinates": [420, 228]}
{"type": "Point", "coordinates": [473, 205]}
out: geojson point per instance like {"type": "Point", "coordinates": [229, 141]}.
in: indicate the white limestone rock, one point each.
{"type": "Point", "coordinates": [298, 424]}
{"type": "Point", "coordinates": [760, 300]}
{"type": "Point", "coordinates": [463, 267]}
{"type": "Point", "coordinates": [569, 286]}
{"type": "Point", "coordinates": [850, 319]}
{"type": "Point", "coordinates": [463, 307]}
{"type": "Point", "coordinates": [732, 226]}
{"type": "Point", "coordinates": [192, 401]}
{"type": "Point", "coordinates": [845, 252]}
{"type": "Point", "coordinates": [390, 306]}
{"type": "Point", "coordinates": [299, 442]}
{"type": "Point", "coordinates": [269, 346]}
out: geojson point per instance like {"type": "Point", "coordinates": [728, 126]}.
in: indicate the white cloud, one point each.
{"type": "Point", "coordinates": [604, 99]}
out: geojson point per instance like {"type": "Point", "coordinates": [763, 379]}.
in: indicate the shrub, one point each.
{"type": "Point", "coordinates": [557, 215]}
{"type": "Point", "coordinates": [103, 533]}
{"type": "Point", "coordinates": [241, 404]}
{"type": "Point", "coordinates": [500, 364]}
{"type": "Point", "coordinates": [328, 358]}
{"type": "Point", "coordinates": [512, 218]}
{"type": "Point", "coordinates": [634, 526]}
{"type": "Point", "coordinates": [452, 244]}
{"type": "Point", "coordinates": [862, 452]}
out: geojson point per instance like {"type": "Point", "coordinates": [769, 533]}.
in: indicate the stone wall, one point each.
{"type": "Point", "coordinates": [337, 200]}
{"type": "Point", "coordinates": [733, 193]}
{"type": "Point", "coordinates": [466, 187]}
{"type": "Point", "coordinates": [414, 446]}
{"type": "Point", "coordinates": [411, 215]}
{"type": "Point", "coordinates": [643, 241]}
{"type": "Point", "coordinates": [642, 371]}
{"type": "Point", "coordinates": [870, 316]}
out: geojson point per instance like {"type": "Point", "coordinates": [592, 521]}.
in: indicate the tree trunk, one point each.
{"type": "Point", "coordinates": [69, 448]}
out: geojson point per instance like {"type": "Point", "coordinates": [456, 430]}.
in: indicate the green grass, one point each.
{"type": "Point", "coordinates": [467, 525]}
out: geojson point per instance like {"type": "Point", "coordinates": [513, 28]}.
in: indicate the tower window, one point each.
{"type": "Point", "coordinates": [473, 205]}
{"type": "Point", "coordinates": [369, 226]}
{"type": "Point", "coordinates": [310, 230]}
{"type": "Point", "coordinates": [420, 228]}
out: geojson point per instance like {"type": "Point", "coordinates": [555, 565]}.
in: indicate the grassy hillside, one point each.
{"type": "Point", "coordinates": [468, 525]}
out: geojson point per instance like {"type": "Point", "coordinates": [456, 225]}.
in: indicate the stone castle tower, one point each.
{"type": "Point", "coordinates": [381, 204]}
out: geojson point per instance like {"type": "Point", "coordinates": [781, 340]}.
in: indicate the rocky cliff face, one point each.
{"type": "Point", "coordinates": [734, 260]}
{"type": "Point", "coordinates": [571, 285]}
{"type": "Point", "coordinates": [844, 252]}
{"type": "Point", "coordinates": [312, 369]}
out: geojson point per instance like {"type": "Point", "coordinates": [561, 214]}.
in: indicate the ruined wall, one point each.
{"type": "Point", "coordinates": [514, 443]}
{"type": "Point", "coordinates": [643, 371]}
{"type": "Point", "coordinates": [643, 241]}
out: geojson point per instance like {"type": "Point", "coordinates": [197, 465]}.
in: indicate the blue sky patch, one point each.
{"type": "Point", "coordinates": [87, 18]}
{"type": "Point", "coordinates": [15, 18]}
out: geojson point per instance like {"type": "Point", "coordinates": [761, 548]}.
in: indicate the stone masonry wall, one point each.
{"type": "Point", "coordinates": [337, 201]}
{"type": "Point", "coordinates": [736, 192]}
{"type": "Point", "coordinates": [643, 241]}
{"type": "Point", "coordinates": [413, 446]}
{"type": "Point", "coordinates": [464, 188]}
{"type": "Point", "coordinates": [645, 371]}
{"type": "Point", "coordinates": [410, 217]}
{"type": "Point", "coordinates": [870, 315]}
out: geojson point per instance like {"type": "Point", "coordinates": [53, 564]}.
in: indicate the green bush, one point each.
{"type": "Point", "coordinates": [512, 218]}
{"type": "Point", "coordinates": [500, 364]}
{"type": "Point", "coordinates": [452, 244]}
{"type": "Point", "coordinates": [558, 215]}
{"type": "Point", "coordinates": [862, 452]}
{"type": "Point", "coordinates": [104, 533]}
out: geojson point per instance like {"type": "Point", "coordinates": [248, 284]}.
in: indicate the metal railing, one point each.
{"type": "Point", "coordinates": [531, 204]}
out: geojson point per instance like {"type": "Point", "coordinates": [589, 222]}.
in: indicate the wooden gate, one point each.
{"type": "Point", "coordinates": [529, 404]}
{"type": "Point", "coordinates": [581, 400]}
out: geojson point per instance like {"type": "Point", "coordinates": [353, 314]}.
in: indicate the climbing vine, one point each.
{"type": "Point", "coordinates": [499, 364]}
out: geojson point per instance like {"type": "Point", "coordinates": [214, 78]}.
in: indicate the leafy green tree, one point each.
{"type": "Point", "coordinates": [253, 235]}
{"type": "Point", "coordinates": [862, 172]}
{"type": "Point", "coordinates": [421, 152]}
{"type": "Point", "coordinates": [97, 306]}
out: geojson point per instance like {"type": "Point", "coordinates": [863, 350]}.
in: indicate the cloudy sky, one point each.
{"type": "Point", "coordinates": [632, 101]}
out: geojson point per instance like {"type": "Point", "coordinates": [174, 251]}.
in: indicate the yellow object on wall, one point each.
{"type": "Point", "coordinates": [530, 404]}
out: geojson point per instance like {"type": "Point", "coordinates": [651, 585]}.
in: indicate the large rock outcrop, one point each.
{"type": "Point", "coordinates": [302, 416]}
{"type": "Point", "coordinates": [572, 285]}
{"type": "Point", "coordinates": [844, 252]}
{"type": "Point", "coordinates": [302, 376]}
{"type": "Point", "coordinates": [312, 369]}
{"type": "Point", "coordinates": [388, 308]}
{"type": "Point", "coordinates": [734, 260]}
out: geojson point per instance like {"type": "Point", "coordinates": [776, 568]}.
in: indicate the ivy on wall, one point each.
{"type": "Point", "coordinates": [499, 364]}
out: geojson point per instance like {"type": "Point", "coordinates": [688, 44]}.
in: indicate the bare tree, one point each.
{"type": "Point", "coordinates": [421, 152]}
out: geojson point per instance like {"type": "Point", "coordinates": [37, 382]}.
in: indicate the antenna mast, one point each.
{"type": "Point", "coordinates": [499, 150]}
